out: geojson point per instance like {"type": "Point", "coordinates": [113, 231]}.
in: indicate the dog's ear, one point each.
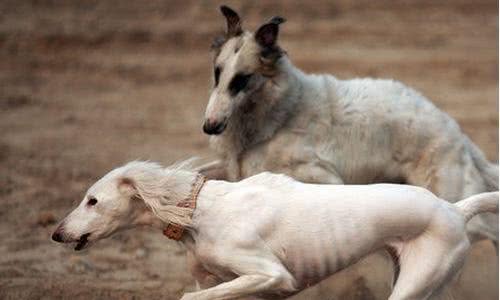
{"type": "Point", "coordinates": [127, 186]}
{"type": "Point", "coordinates": [267, 34]}
{"type": "Point", "coordinates": [233, 21]}
{"type": "Point", "coordinates": [266, 37]}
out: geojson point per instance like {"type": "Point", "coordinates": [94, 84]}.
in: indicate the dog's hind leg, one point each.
{"type": "Point", "coordinates": [427, 265]}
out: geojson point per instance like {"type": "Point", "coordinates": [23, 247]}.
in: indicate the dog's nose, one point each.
{"type": "Point", "coordinates": [57, 236]}
{"type": "Point", "coordinates": [211, 127]}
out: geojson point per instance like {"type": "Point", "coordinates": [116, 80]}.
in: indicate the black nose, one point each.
{"type": "Point", "coordinates": [214, 127]}
{"type": "Point", "coordinates": [57, 236]}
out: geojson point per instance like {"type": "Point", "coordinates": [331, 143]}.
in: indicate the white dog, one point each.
{"type": "Point", "coordinates": [265, 114]}
{"type": "Point", "coordinates": [270, 236]}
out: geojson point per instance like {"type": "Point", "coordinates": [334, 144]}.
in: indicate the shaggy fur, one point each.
{"type": "Point", "coordinates": [161, 189]}
{"type": "Point", "coordinates": [320, 129]}
{"type": "Point", "coordinates": [270, 236]}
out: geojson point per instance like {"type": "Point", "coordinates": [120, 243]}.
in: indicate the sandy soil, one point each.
{"type": "Point", "coordinates": [88, 86]}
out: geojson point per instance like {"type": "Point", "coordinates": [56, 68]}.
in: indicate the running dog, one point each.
{"type": "Point", "coordinates": [269, 236]}
{"type": "Point", "coordinates": [265, 114]}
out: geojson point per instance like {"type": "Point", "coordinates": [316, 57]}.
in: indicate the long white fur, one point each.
{"type": "Point", "coordinates": [321, 129]}
{"type": "Point", "coordinates": [270, 236]}
{"type": "Point", "coordinates": [161, 189]}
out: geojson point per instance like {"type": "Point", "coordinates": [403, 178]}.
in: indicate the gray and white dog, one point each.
{"type": "Point", "coordinates": [264, 114]}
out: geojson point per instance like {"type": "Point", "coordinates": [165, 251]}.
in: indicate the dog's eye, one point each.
{"type": "Point", "coordinates": [239, 82]}
{"type": "Point", "coordinates": [217, 75]}
{"type": "Point", "coordinates": [92, 201]}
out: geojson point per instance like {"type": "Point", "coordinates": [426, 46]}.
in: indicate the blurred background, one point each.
{"type": "Point", "coordinates": [86, 86]}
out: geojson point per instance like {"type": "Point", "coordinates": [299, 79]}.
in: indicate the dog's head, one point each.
{"type": "Point", "coordinates": [243, 63]}
{"type": "Point", "coordinates": [110, 205]}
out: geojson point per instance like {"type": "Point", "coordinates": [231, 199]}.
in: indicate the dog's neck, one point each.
{"type": "Point", "coordinates": [170, 228]}
{"type": "Point", "coordinates": [264, 112]}
{"type": "Point", "coordinates": [167, 199]}
{"type": "Point", "coordinates": [147, 218]}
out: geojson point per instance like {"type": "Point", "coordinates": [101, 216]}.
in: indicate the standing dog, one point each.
{"type": "Point", "coordinates": [271, 236]}
{"type": "Point", "coordinates": [264, 114]}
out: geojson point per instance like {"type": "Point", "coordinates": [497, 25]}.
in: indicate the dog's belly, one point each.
{"type": "Point", "coordinates": [316, 259]}
{"type": "Point", "coordinates": [310, 270]}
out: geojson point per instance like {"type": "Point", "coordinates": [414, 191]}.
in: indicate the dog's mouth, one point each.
{"type": "Point", "coordinates": [82, 242]}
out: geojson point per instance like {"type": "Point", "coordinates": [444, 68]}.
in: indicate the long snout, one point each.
{"type": "Point", "coordinates": [61, 236]}
{"type": "Point", "coordinates": [218, 110]}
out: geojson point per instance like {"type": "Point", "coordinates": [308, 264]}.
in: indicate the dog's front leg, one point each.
{"type": "Point", "coordinates": [242, 286]}
{"type": "Point", "coordinates": [204, 279]}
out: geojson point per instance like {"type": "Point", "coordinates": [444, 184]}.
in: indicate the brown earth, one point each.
{"type": "Point", "coordinates": [89, 85]}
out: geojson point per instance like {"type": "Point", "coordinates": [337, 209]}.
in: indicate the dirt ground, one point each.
{"type": "Point", "coordinates": [89, 85]}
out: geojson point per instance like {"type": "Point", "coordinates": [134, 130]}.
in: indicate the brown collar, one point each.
{"type": "Point", "coordinates": [175, 231]}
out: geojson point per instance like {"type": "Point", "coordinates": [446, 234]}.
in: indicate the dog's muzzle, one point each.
{"type": "Point", "coordinates": [57, 236]}
{"type": "Point", "coordinates": [81, 242]}
{"type": "Point", "coordinates": [214, 128]}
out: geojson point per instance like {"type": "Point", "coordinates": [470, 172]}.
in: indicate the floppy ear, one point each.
{"type": "Point", "coordinates": [127, 186]}
{"type": "Point", "coordinates": [233, 21]}
{"type": "Point", "coordinates": [267, 35]}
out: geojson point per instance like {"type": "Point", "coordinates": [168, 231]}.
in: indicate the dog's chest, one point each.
{"type": "Point", "coordinates": [283, 154]}
{"type": "Point", "coordinates": [207, 260]}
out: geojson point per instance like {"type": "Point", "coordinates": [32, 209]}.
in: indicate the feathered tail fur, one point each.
{"type": "Point", "coordinates": [480, 203]}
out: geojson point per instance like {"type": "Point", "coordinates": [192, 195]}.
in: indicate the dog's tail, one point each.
{"type": "Point", "coordinates": [480, 203]}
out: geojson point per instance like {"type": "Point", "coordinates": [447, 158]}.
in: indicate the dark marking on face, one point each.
{"type": "Point", "coordinates": [238, 83]}
{"type": "Point", "coordinates": [217, 72]}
